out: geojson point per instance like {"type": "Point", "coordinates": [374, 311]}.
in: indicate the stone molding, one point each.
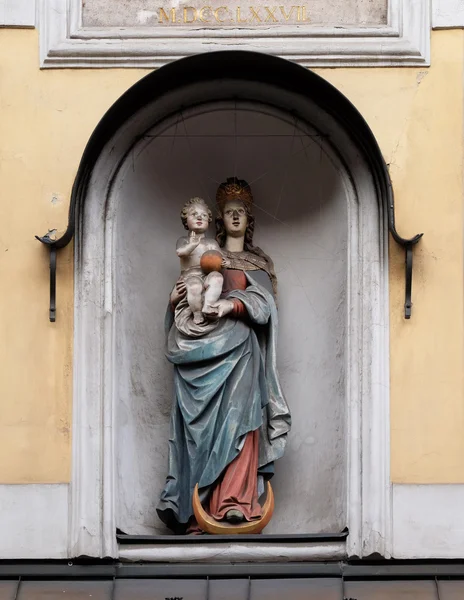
{"type": "Point", "coordinates": [34, 520]}
{"type": "Point", "coordinates": [429, 521]}
{"type": "Point", "coordinates": [447, 14]}
{"type": "Point", "coordinates": [64, 43]}
{"type": "Point", "coordinates": [17, 13]}
{"type": "Point", "coordinates": [233, 552]}
{"type": "Point", "coordinates": [93, 521]}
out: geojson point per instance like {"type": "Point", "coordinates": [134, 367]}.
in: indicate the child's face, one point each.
{"type": "Point", "coordinates": [197, 218]}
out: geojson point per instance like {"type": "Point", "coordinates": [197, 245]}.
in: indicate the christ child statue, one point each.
{"type": "Point", "coordinates": [200, 260]}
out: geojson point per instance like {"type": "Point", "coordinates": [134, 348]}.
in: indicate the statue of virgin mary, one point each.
{"type": "Point", "coordinates": [229, 418]}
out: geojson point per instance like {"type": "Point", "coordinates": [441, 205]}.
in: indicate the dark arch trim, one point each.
{"type": "Point", "coordinates": [245, 66]}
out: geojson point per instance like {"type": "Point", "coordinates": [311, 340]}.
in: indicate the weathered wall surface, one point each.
{"type": "Point", "coordinates": [46, 119]}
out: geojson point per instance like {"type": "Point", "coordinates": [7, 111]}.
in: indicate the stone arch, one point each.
{"type": "Point", "coordinates": [288, 88]}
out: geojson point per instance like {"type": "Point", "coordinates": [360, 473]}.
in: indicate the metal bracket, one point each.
{"type": "Point", "coordinates": [408, 284]}
{"type": "Point", "coordinates": [56, 244]}
{"type": "Point", "coordinates": [52, 284]}
{"type": "Point", "coordinates": [53, 248]}
{"type": "Point", "coordinates": [408, 245]}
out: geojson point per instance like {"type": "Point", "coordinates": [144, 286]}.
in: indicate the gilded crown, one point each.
{"type": "Point", "coordinates": [234, 189]}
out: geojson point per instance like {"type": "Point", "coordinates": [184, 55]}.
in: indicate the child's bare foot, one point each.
{"type": "Point", "coordinates": [198, 317]}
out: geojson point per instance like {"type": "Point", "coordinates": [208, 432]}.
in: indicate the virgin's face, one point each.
{"type": "Point", "coordinates": [235, 218]}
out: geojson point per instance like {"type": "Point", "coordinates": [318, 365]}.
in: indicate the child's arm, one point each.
{"type": "Point", "coordinates": [185, 246]}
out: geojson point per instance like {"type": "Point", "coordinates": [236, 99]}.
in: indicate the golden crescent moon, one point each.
{"type": "Point", "coordinates": [210, 525]}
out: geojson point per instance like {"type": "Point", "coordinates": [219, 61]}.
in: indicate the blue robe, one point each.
{"type": "Point", "coordinates": [226, 385]}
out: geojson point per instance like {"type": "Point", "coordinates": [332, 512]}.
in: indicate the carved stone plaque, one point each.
{"type": "Point", "coordinates": [313, 33]}
{"type": "Point", "coordinates": [234, 13]}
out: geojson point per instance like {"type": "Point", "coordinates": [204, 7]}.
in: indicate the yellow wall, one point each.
{"type": "Point", "coordinates": [46, 118]}
{"type": "Point", "coordinates": [417, 118]}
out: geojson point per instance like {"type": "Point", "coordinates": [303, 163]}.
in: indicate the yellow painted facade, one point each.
{"type": "Point", "coordinates": [46, 118]}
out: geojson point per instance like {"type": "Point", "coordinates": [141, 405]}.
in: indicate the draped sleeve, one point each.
{"type": "Point", "coordinates": [235, 279]}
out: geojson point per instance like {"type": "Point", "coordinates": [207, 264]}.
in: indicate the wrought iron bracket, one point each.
{"type": "Point", "coordinates": [52, 284]}
{"type": "Point", "coordinates": [408, 283]}
{"type": "Point", "coordinates": [52, 246]}
{"type": "Point", "coordinates": [408, 245]}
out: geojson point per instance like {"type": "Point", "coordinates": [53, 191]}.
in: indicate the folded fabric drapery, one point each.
{"type": "Point", "coordinates": [226, 387]}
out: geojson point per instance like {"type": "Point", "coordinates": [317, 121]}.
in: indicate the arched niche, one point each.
{"type": "Point", "coordinates": [302, 199]}
{"type": "Point", "coordinates": [329, 242]}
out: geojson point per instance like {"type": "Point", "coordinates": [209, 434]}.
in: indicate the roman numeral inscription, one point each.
{"type": "Point", "coordinates": [232, 15]}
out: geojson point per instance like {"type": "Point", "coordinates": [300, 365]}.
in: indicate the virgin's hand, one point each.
{"type": "Point", "coordinates": [179, 291]}
{"type": "Point", "coordinates": [223, 308]}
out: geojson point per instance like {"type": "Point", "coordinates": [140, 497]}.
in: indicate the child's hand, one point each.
{"type": "Point", "coordinates": [194, 240]}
